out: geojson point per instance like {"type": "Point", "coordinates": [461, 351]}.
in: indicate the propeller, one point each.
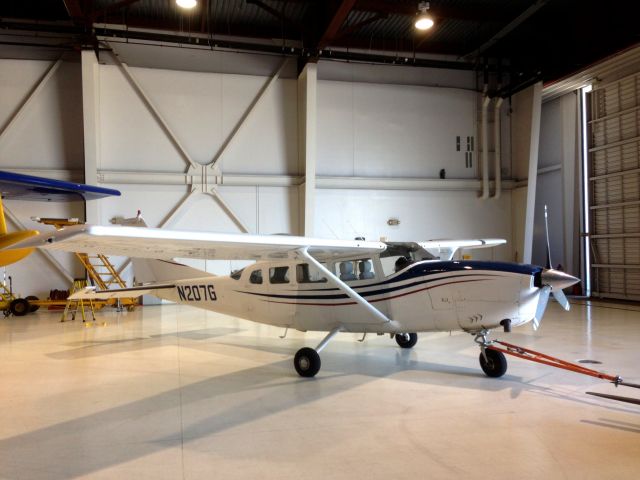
{"type": "Point", "coordinates": [553, 282]}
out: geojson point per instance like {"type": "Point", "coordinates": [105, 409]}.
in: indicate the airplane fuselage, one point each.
{"type": "Point", "coordinates": [423, 297]}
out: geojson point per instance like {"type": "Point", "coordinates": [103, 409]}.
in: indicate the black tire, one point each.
{"type": "Point", "coordinates": [32, 307]}
{"type": "Point", "coordinates": [495, 364]}
{"type": "Point", "coordinates": [407, 343]}
{"type": "Point", "coordinates": [19, 307]}
{"type": "Point", "coordinates": [307, 362]}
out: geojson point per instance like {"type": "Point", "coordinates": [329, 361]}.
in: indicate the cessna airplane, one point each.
{"type": "Point", "coordinates": [334, 286]}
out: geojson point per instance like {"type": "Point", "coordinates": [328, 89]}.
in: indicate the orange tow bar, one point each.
{"type": "Point", "coordinates": [538, 357]}
{"type": "Point", "coordinates": [528, 354]}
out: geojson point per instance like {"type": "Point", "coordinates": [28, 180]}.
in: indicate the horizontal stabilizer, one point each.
{"type": "Point", "coordinates": [90, 293]}
{"type": "Point", "coordinates": [446, 249]}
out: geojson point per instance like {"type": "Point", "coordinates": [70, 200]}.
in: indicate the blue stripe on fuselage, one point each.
{"type": "Point", "coordinates": [414, 272]}
{"type": "Point", "coordinates": [428, 267]}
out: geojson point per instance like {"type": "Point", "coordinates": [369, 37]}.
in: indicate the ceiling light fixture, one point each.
{"type": "Point", "coordinates": [187, 3]}
{"type": "Point", "coordinates": [424, 21]}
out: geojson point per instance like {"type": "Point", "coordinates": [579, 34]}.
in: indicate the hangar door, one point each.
{"type": "Point", "coordinates": [614, 188]}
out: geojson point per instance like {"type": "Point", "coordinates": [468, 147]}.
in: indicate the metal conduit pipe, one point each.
{"type": "Point", "coordinates": [497, 131]}
{"type": "Point", "coordinates": [485, 146]}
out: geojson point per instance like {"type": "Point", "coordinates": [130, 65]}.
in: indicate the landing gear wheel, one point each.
{"type": "Point", "coordinates": [495, 365]}
{"type": "Point", "coordinates": [406, 340]}
{"type": "Point", "coordinates": [19, 307]}
{"type": "Point", "coordinates": [32, 307]}
{"type": "Point", "coordinates": [307, 362]}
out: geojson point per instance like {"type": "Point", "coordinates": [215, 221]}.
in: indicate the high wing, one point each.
{"type": "Point", "coordinates": [446, 249]}
{"type": "Point", "coordinates": [166, 244]}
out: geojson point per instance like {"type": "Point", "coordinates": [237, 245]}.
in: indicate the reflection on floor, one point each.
{"type": "Point", "coordinates": [175, 392]}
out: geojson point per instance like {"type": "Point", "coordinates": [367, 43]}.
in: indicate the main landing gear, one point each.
{"type": "Point", "coordinates": [492, 362]}
{"type": "Point", "coordinates": [307, 360]}
{"type": "Point", "coordinates": [407, 340]}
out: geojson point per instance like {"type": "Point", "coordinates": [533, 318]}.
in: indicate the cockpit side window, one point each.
{"type": "Point", "coordinates": [279, 275]}
{"type": "Point", "coordinates": [360, 269]}
{"type": "Point", "coordinates": [365, 269]}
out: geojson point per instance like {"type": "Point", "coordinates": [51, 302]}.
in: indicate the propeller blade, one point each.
{"type": "Point", "coordinates": [561, 298]}
{"type": "Point", "coordinates": [542, 306]}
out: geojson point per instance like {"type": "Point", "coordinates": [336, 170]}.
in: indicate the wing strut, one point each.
{"type": "Point", "coordinates": [351, 293]}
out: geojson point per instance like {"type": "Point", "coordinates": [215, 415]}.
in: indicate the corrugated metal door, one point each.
{"type": "Point", "coordinates": [614, 184]}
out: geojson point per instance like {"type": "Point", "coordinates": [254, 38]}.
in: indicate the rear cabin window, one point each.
{"type": "Point", "coordinates": [279, 275]}
{"type": "Point", "coordinates": [256, 277]}
{"type": "Point", "coordinates": [306, 275]}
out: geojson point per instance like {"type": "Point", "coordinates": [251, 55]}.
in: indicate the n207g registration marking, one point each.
{"type": "Point", "coordinates": [197, 293]}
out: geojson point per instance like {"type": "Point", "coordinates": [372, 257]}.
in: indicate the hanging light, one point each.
{"type": "Point", "coordinates": [186, 3]}
{"type": "Point", "coordinates": [424, 21]}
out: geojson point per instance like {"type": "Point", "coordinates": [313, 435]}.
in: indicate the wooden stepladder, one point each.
{"type": "Point", "coordinates": [73, 306]}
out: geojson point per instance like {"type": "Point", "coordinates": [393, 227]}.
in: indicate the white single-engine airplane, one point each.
{"type": "Point", "coordinates": [334, 286]}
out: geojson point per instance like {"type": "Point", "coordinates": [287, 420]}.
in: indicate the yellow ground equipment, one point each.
{"type": "Point", "coordinates": [72, 306]}
{"type": "Point", "coordinates": [10, 304]}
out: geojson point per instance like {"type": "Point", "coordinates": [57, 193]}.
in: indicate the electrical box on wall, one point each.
{"type": "Point", "coordinates": [468, 147]}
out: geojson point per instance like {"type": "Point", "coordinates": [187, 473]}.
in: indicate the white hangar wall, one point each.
{"type": "Point", "coordinates": [41, 133]}
{"type": "Point", "coordinates": [373, 123]}
{"type": "Point", "coordinates": [405, 128]}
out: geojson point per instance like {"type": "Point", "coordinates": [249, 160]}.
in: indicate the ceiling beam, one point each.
{"type": "Point", "coordinates": [356, 26]}
{"type": "Point", "coordinates": [279, 15]}
{"type": "Point", "coordinates": [74, 10]}
{"type": "Point", "coordinates": [507, 29]}
{"type": "Point", "coordinates": [437, 10]}
{"type": "Point", "coordinates": [98, 13]}
{"type": "Point", "coordinates": [335, 23]}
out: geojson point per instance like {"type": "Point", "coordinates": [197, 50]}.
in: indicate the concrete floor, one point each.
{"type": "Point", "coordinates": [176, 392]}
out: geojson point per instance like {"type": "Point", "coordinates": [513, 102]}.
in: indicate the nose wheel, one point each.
{"type": "Point", "coordinates": [492, 362]}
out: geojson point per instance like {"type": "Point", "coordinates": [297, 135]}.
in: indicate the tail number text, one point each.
{"type": "Point", "coordinates": [197, 293]}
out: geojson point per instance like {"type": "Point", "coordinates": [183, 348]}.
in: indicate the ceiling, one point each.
{"type": "Point", "coordinates": [527, 40]}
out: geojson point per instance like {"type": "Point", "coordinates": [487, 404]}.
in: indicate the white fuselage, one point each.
{"type": "Point", "coordinates": [423, 297]}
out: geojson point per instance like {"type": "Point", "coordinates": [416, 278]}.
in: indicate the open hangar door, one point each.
{"type": "Point", "coordinates": [613, 115]}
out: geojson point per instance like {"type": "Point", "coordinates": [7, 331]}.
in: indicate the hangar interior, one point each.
{"type": "Point", "coordinates": [334, 120]}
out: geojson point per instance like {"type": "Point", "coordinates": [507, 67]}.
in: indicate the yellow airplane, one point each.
{"type": "Point", "coordinates": [28, 187]}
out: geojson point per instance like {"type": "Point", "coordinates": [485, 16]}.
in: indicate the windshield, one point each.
{"type": "Point", "coordinates": [236, 274]}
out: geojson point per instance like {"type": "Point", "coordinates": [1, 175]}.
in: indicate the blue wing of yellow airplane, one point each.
{"type": "Point", "coordinates": [28, 187]}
